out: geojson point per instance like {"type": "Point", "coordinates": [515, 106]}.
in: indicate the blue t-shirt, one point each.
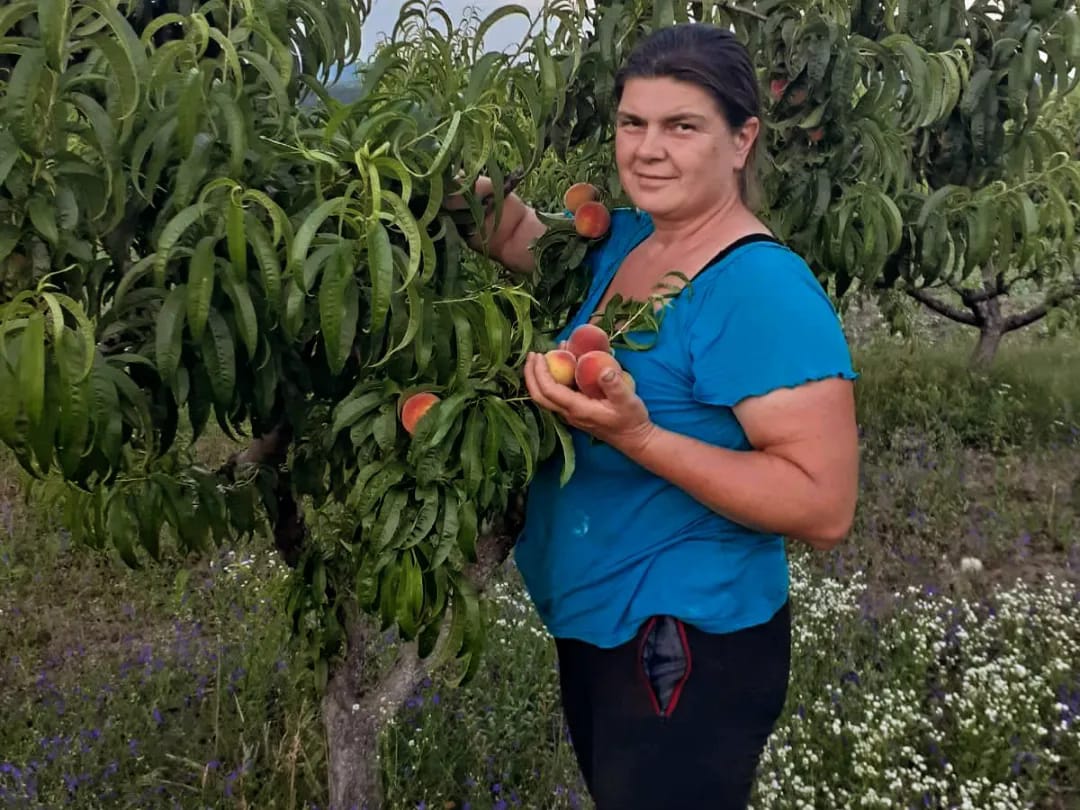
{"type": "Point", "coordinates": [618, 544]}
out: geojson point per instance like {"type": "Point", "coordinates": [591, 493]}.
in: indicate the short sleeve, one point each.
{"type": "Point", "coordinates": [761, 321]}
{"type": "Point", "coordinates": [627, 227]}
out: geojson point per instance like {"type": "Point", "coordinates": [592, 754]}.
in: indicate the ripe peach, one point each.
{"type": "Point", "coordinates": [414, 409]}
{"type": "Point", "coordinates": [777, 87]}
{"type": "Point", "coordinates": [561, 364]}
{"type": "Point", "coordinates": [579, 194]}
{"type": "Point", "coordinates": [817, 134]}
{"type": "Point", "coordinates": [588, 338]}
{"type": "Point", "coordinates": [590, 367]}
{"type": "Point", "coordinates": [592, 220]}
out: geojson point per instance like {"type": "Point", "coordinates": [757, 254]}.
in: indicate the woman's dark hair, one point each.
{"type": "Point", "coordinates": [714, 60]}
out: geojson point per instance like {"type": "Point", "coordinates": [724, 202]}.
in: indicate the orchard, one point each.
{"type": "Point", "coordinates": [197, 237]}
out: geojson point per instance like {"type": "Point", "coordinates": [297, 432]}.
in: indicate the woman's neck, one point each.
{"type": "Point", "coordinates": [728, 219]}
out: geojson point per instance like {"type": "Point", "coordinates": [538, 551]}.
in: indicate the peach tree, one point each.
{"type": "Point", "coordinates": [919, 153]}
{"type": "Point", "coordinates": [194, 232]}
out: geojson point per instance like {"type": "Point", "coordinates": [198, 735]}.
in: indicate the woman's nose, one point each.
{"type": "Point", "coordinates": [651, 144]}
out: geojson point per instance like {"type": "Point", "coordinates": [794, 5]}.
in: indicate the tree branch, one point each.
{"type": "Point", "coordinates": [271, 451]}
{"type": "Point", "coordinates": [940, 307]}
{"type": "Point", "coordinates": [494, 545]}
{"type": "Point", "coordinates": [1022, 319]}
{"type": "Point", "coordinates": [973, 297]}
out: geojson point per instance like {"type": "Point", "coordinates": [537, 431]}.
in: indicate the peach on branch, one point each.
{"type": "Point", "coordinates": [592, 220]}
{"type": "Point", "coordinates": [578, 194]}
{"type": "Point", "coordinates": [562, 364]}
{"type": "Point", "coordinates": [590, 367]}
{"type": "Point", "coordinates": [414, 408]}
{"type": "Point", "coordinates": [588, 338]}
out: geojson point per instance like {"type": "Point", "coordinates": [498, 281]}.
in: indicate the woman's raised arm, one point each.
{"type": "Point", "coordinates": [509, 243]}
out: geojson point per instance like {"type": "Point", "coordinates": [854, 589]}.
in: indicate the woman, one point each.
{"type": "Point", "coordinates": [660, 568]}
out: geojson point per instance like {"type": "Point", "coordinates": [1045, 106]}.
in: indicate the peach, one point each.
{"type": "Point", "coordinates": [817, 134]}
{"type": "Point", "coordinates": [592, 220]}
{"type": "Point", "coordinates": [590, 367]}
{"type": "Point", "coordinates": [588, 338]}
{"type": "Point", "coordinates": [414, 408]}
{"type": "Point", "coordinates": [579, 194]}
{"type": "Point", "coordinates": [561, 363]}
{"type": "Point", "coordinates": [777, 87]}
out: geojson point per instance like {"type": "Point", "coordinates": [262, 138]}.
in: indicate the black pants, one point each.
{"type": "Point", "coordinates": [675, 719]}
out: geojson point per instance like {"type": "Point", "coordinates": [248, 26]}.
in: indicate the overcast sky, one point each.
{"type": "Point", "coordinates": [384, 14]}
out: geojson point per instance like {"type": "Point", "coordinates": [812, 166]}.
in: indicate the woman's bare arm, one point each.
{"type": "Point", "coordinates": [509, 243]}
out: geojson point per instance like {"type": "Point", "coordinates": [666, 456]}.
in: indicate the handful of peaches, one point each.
{"type": "Point", "coordinates": [585, 358]}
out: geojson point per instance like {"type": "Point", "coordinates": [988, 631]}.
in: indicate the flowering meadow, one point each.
{"type": "Point", "coordinates": [936, 654]}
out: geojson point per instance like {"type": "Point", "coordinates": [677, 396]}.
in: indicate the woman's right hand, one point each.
{"type": "Point", "coordinates": [509, 243]}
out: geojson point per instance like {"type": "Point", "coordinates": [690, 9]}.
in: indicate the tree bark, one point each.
{"type": "Point", "coordinates": [991, 328]}
{"type": "Point", "coordinates": [357, 706]}
{"type": "Point", "coordinates": [354, 716]}
{"type": "Point", "coordinates": [986, 348]}
{"type": "Point", "coordinates": [927, 299]}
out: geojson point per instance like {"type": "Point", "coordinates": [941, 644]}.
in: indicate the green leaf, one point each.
{"type": "Point", "coordinates": [9, 155]}
{"type": "Point", "coordinates": [381, 268]}
{"type": "Point", "coordinates": [200, 285]}
{"type": "Point", "coordinates": [43, 216]}
{"type": "Point", "coordinates": [125, 71]}
{"type": "Point", "coordinates": [237, 240]}
{"type": "Point", "coordinates": [74, 425]}
{"type": "Point", "coordinates": [566, 442]}
{"type": "Point", "coordinates": [351, 409]}
{"type": "Point", "coordinates": [247, 321]}
{"type": "Point", "coordinates": [267, 257]}
{"type": "Point", "coordinates": [171, 234]}
{"type": "Point", "coordinates": [22, 91]}
{"type": "Point", "coordinates": [168, 342]}
{"type": "Point", "coordinates": [219, 355]}
{"type": "Point", "coordinates": [468, 530]}
{"type": "Point", "coordinates": [31, 368]}
{"type": "Point", "coordinates": [338, 308]}
{"type": "Point", "coordinates": [123, 530]}
{"type": "Point", "coordinates": [306, 233]}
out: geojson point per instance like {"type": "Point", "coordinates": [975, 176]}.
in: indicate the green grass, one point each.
{"type": "Point", "coordinates": [1029, 397]}
{"type": "Point", "coordinates": [916, 679]}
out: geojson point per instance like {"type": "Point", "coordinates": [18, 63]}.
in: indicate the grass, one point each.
{"type": "Point", "coordinates": [936, 660]}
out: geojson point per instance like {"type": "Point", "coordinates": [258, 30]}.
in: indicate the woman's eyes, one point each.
{"type": "Point", "coordinates": [679, 126]}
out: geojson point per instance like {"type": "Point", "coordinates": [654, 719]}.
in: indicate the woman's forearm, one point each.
{"type": "Point", "coordinates": [759, 490]}
{"type": "Point", "coordinates": [510, 243]}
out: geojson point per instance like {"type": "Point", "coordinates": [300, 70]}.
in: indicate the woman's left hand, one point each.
{"type": "Point", "coordinates": [620, 419]}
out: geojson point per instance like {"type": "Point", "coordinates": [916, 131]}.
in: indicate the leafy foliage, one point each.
{"type": "Point", "coordinates": [183, 239]}
{"type": "Point", "coordinates": [191, 227]}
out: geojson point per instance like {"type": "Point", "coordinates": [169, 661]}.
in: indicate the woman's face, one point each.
{"type": "Point", "coordinates": [676, 155]}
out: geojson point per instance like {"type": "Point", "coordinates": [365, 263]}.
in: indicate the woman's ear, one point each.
{"type": "Point", "coordinates": [744, 138]}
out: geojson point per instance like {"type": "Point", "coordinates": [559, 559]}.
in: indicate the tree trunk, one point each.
{"type": "Point", "coordinates": [356, 708]}
{"type": "Point", "coordinates": [991, 330]}
{"type": "Point", "coordinates": [352, 739]}
{"type": "Point", "coordinates": [986, 348]}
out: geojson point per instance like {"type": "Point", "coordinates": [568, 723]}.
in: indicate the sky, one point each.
{"type": "Point", "coordinates": [506, 32]}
